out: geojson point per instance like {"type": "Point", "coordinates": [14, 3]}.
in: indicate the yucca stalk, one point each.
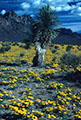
{"type": "Point", "coordinates": [46, 21]}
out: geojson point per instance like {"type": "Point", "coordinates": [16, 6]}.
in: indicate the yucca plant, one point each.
{"type": "Point", "coordinates": [46, 22]}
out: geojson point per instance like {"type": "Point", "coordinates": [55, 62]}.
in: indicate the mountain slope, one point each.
{"type": "Point", "coordinates": [17, 28]}
{"type": "Point", "coordinates": [14, 27]}
{"type": "Point", "coordinates": [66, 36]}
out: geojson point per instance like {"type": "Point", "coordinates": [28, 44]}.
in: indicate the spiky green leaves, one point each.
{"type": "Point", "coordinates": [45, 37]}
{"type": "Point", "coordinates": [47, 17]}
{"type": "Point", "coordinates": [47, 21]}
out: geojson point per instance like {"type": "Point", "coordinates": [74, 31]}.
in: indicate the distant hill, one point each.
{"type": "Point", "coordinates": [14, 27]}
{"type": "Point", "coordinates": [66, 36]}
{"type": "Point", "coordinates": [17, 28]}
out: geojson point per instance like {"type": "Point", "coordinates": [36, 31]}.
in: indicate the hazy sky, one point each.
{"type": "Point", "coordinates": [69, 16]}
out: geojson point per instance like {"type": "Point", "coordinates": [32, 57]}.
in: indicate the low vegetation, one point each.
{"type": "Point", "coordinates": [32, 93]}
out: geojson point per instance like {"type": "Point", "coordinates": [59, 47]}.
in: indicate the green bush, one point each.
{"type": "Point", "coordinates": [70, 59]}
{"type": "Point", "coordinates": [15, 43]}
{"type": "Point", "coordinates": [22, 53]}
{"type": "Point", "coordinates": [28, 41]}
{"type": "Point", "coordinates": [54, 50]}
{"type": "Point", "coordinates": [6, 43]}
{"type": "Point", "coordinates": [5, 48]}
{"type": "Point", "coordinates": [56, 47]}
{"type": "Point", "coordinates": [22, 46]}
{"type": "Point", "coordinates": [68, 48]}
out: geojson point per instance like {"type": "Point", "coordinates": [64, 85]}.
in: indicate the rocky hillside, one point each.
{"type": "Point", "coordinates": [17, 28]}
{"type": "Point", "coordinates": [14, 27]}
{"type": "Point", "coordinates": [66, 36]}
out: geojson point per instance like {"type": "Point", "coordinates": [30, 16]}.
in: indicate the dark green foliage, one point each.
{"type": "Point", "coordinates": [5, 43]}
{"type": "Point", "coordinates": [22, 46]}
{"type": "Point", "coordinates": [47, 17]}
{"type": "Point", "coordinates": [28, 45]}
{"type": "Point", "coordinates": [79, 47]}
{"type": "Point", "coordinates": [54, 59]}
{"type": "Point", "coordinates": [5, 48]}
{"type": "Point", "coordinates": [28, 41]}
{"type": "Point", "coordinates": [56, 47]}
{"type": "Point", "coordinates": [70, 59]}
{"type": "Point", "coordinates": [68, 48]}
{"type": "Point", "coordinates": [54, 50]}
{"type": "Point", "coordinates": [22, 53]}
{"type": "Point", "coordinates": [24, 62]}
{"type": "Point", "coordinates": [73, 77]}
{"type": "Point", "coordinates": [44, 37]}
{"type": "Point", "coordinates": [15, 43]}
{"type": "Point", "coordinates": [51, 45]}
{"type": "Point", "coordinates": [46, 20]}
{"type": "Point", "coordinates": [43, 26]}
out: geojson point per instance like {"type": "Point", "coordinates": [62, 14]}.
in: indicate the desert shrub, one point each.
{"type": "Point", "coordinates": [27, 45]}
{"type": "Point", "coordinates": [70, 59]}
{"type": "Point", "coordinates": [28, 41]}
{"type": "Point", "coordinates": [5, 48]}
{"type": "Point", "coordinates": [24, 62]}
{"type": "Point", "coordinates": [15, 43]}
{"type": "Point", "coordinates": [22, 46]}
{"type": "Point", "coordinates": [54, 50]}
{"type": "Point", "coordinates": [56, 47]}
{"type": "Point", "coordinates": [73, 77]}
{"type": "Point", "coordinates": [79, 47]}
{"type": "Point", "coordinates": [54, 59]}
{"type": "Point", "coordinates": [51, 45]}
{"type": "Point", "coordinates": [22, 53]}
{"type": "Point", "coordinates": [68, 48]}
{"type": "Point", "coordinates": [6, 43]}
